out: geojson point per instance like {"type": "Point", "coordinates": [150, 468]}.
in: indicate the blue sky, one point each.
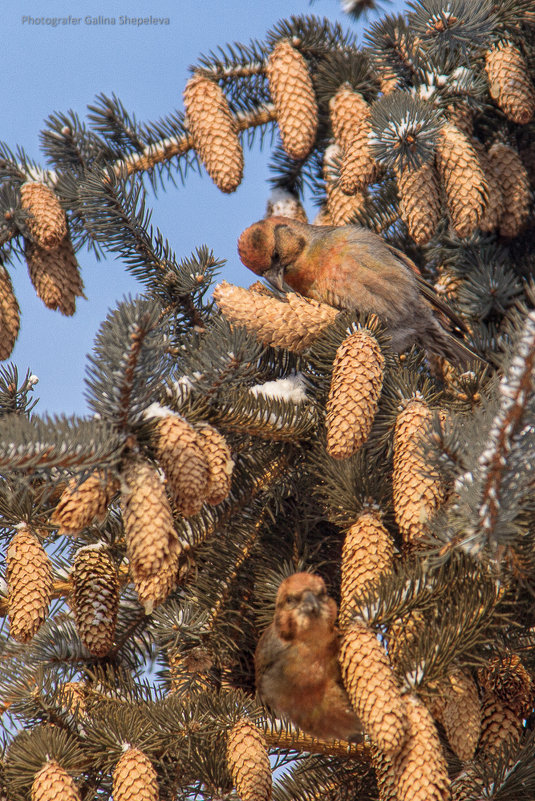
{"type": "Point", "coordinates": [47, 69]}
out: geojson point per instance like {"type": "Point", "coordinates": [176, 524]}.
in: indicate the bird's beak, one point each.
{"type": "Point", "coordinates": [275, 276]}
{"type": "Point", "coordinates": [309, 603]}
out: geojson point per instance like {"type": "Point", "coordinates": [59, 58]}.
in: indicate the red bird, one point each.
{"type": "Point", "coordinates": [296, 662]}
{"type": "Point", "coordinates": [353, 268]}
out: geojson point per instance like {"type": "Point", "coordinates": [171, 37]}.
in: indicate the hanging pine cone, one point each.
{"type": "Point", "coordinates": [214, 132]}
{"type": "Point", "coordinates": [134, 777]}
{"type": "Point", "coordinates": [463, 179]}
{"type": "Point", "coordinates": [341, 207]}
{"type": "Point", "coordinates": [9, 315]}
{"type": "Point", "coordinates": [462, 116]}
{"type": "Point", "coordinates": [512, 178]}
{"type": "Point", "coordinates": [507, 679]}
{"type": "Point", "coordinates": [402, 635]}
{"type": "Point", "coordinates": [282, 203]}
{"type": "Point", "coordinates": [420, 770]}
{"type": "Point", "coordinates": [82, 503]}
{"type": "Point", "coordinates": [220, 463]}
{"type": "Point", "coordinates": [53, 783]}
{"type": "Point", "coordinates": [417, 492]}
{"type": "Point", "coordinates": [248, 762]}
{"type": "Point", "coordinates": [95, 598]}
{"type": "Point", "coordinates": [55, 275]}
{"type": "Point", "coordinates": [47, 222]}
{"type": "Point", "coordinates": [356, 383]}
{"type": "Point", "coordinates": [459, 711]}
{"type": "Point", "coordinates": [384, 775]}
{"type": "Point", "coordinates": [509, 82]}
{"type": "Point", "coordinates": [293, 325]}
{"type": "Point", "coordinates": [500, 725]}
{"type": "Point", "coordinates": [73, 698]}
{"type": "Point", "coordinates": [183, 460]}
{"type": "Point", "coordinates": [367, 554]}
{"type": "Point", "coordinates": [419, 205]}
{"type": "Point", "coordinates": [148, 521]}
{"type": "Point", "coordinates": [153, 590]}
{"type": "Point", "coordinates": [372, 688]}
{"type": "Point", "coordinates": [350, 118]}
{"type": "Point", "coordinates": [495, 200]}
{"type": "Point", "coordinates": [29, 583]}
{"type": "Point", "coordinates": [292, 92]}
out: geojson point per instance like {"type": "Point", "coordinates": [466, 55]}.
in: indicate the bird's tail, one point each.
{"type": "Point", "coordinates": [455, 351]}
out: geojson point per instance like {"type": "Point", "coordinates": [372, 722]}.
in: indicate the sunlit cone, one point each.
{"type": "Point", "coordinates": [463, 179]}
{"type": "Point", "coordinates": [73, 697]}
{"type": "Point", "coordinates": [292, 92]}
{"type": "Point", "coordinates": [367, 554]}
{"type": "Point", "coordinates": [350, 118]}
{"type": "Point", "coordinates": [459, 712]}
{"type": "Point", "coordinates": [153, 590]}
{"type": "Point", "coordinates": [356, 383]}
{"type": "Point", "coordinates": [220, 463]}
{"type": "Point", "coordinates": [417, 490]}
{"type": "Point", "coordinates": [448, 283]}
{"type": "Point", "coordinates": [55, 275]}
{"type": "Point", "coordinates": [46, 222]}
{"type": "Point", "coordinates": [293, 325]}
{"type": "Point", "coordinates": [384, 775]}
{"type": "Point", "coordinates": [148, 521]}
{"type": "Point", "coordinates": [214, 132]}
{"type": "Point", "coordinates": [82, 503]}
{"type": "Point", "coordinates": [495, 201]}
{"type": "Point", "coordinates": [462, 116]}
{"type": "Point", "coordinates": [29, 585]}
{"type": "Point", "coordinates": [420, 770]}
{"type": "Point", "coordinates": [373, 688]}
{"type": "Point", "coordinates": [134, 777]}
{"type": "Point", "coordinates": [248, 762]}
{"type": "Point", "coordinates": [509, 82]}
{"type": "Point", "coordinates": [341, 207]}
{"type": "Point", "coordinates": [500, 725]}
{"type": "Point", "coordinates": [507, 679]}
{"type": "Point", "coordinates": [282, 203]}
{"type": "Point", "coordinates": [53, 783]}
{"type": "Point", "coordinates": [95, 598]}
{"type": "Point", "coordinates": [183, 460]}
{"type": "Point", "coordinates": [419, 201]}
{"type": "Point", "coordinates": [9, 315]}
{"type": "Point", "coordinates": [512, 178]}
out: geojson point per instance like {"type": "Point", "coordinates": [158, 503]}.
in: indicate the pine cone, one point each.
{"type": "Point", "coordinates": [81, 503]}
{"type": "Point", "coordinates": [462, 116]}
{"type": "Point", "coordinates": [459, 711]}
{"type": "Point", "coordinates": [420, 769]}
{"type": "Point", "coordinates": [153, 590]}
{"type": "Point", "coordinates": [151, 538]}
{"type": "Point", "coordinates": [29, 581]}
{"type": "Point", "coordinates": [47, 222]}
{"type": "Point", "coordinates": [292, 92]}
{"type": "Point", "coordinates": [214, 132]}
{"type": "Point", "coordinates": [417, 492]}
{"type": "Point", "coordinates": [73, 697]}
{"type": "Point", "coordinates": [341, 207]}
{"type": "Point", "coordinates": [356, 383]}
{"type": "Point", "coordinates": [134, 777]}
{"type": "Point", "coordinates": [512, 178]}
{"type": "Point", "coordinates": [402, 635]}
{"type": "Point", "coordinates": [95, 598]}
{"type": "Point", "coordinates": [507, 679]}
{"type": "Point", "coordinates": [350, 117]}
{"type": "Point", "coordinates": [463, 179]}
{"type": "Point", "coordinates": [182, 458]}
{"type": "Point", "coordinates": [495, 201]}
{"type": "Point", "coordinates": [248, 762]}
{"type": "Point", "coordinates": [500, 725]}
{"type": "Point", "coordinates": [509, 82]}
{"type": "Point", "coordinates": [367, 554]}
{"type": "Point", "coordinates": [53, 783]}
{"type": "Point", "coordinates": [419, 206]}
{"type": "Point", "coordinates": [373, 689]}
{"type": "Point", "coordinates": [9, 315]}
{"type": "Point", "coordinates": [55, 275]}
{"type": "Point", "coordinates": [384, 775]}
{"type": "Point", "coordinates": [220, 463]}
{"type": "Point", "coordinates": [293, 325]}
{"type": "Point", "coordinates": [282, 203]}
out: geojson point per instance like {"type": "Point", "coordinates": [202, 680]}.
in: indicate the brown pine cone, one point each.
{"type": "Point", "coordinates": [220, 463]}
{"type": "Point", "coordinates": [9, 315]}
{"type": "Point", "coordinates": [419, 205]}
{"type": "Point", "coordinates": [53, 783]}
{"type": "Point", "coordinates": [55, 275]}
{"type": "Point", "coordinates": [507, 679]}
{"type": "Point", "coordinates": [214, 132]}
{"type": "Point", "coordinates": [350, 117]}
{"type": "Point", "coordinates": [459, 711]}
{"type": "Point", "coordinates": [509, 82]}
{"type": "Point", "coordinates": [182, 458]}
{"type": "Point", "coordinates": [500, 725]}
{"type": "Point", "coordinates": [292, 92]}
{"type": "Point", "coordinates": [29, 585]}
{"type": "Point", "coordinates": [512, 178]}
{"type": "Point", "coordinates": [47, 222]}
{"type": "Point", "coordinates": [134, 777]}
{"type": "Point", "coordinates": [95, 598]}
{"type": "Point", "coordinates": [248, 762]}
{"type": "Point", "coordinates": [82, 503]}
{"type": "Point", "coordinates": [341, 206]}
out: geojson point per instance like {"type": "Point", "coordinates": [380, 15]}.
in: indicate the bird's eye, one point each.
{"type": "Point", "coordinates": [289, 600]}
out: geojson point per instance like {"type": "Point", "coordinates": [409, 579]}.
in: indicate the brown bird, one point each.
{"type": "Point", "coordinates": [296, 662]}
{"type": "Point", "coordinates": [353, 268]}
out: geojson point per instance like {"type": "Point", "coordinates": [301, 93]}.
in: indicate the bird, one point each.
{"type": "Point", "coordinates": [352, 268]}
{"type": "Point", "coordinates": [296, 662]}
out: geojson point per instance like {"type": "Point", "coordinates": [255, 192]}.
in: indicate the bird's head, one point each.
{"type": "Point", "coordinates": [269, 246]}
{"type": "Point", "coordinates": [303, 606]}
